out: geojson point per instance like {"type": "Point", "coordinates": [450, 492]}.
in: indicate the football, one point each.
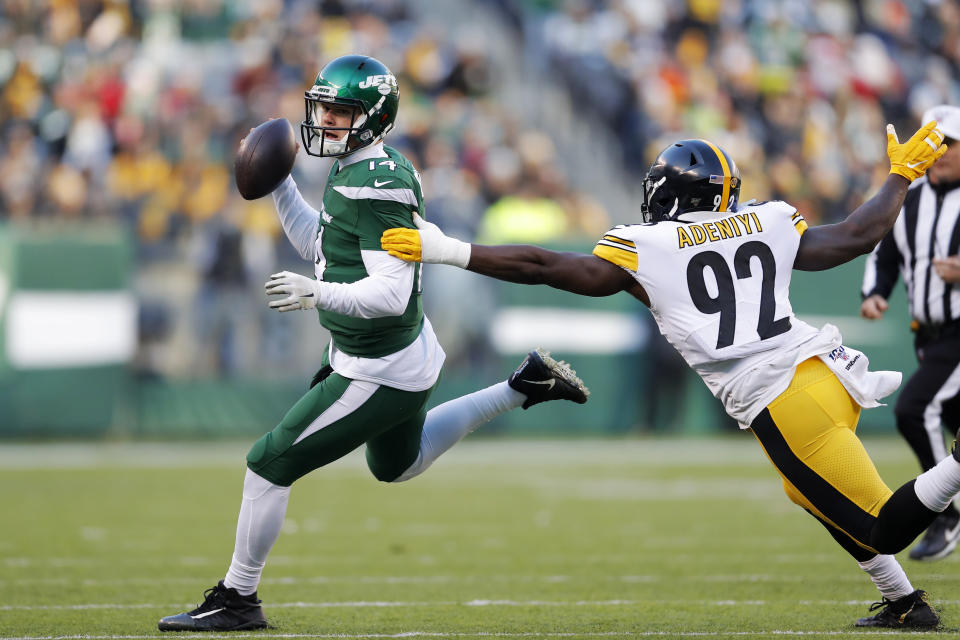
{"type": "Point", "coordinates": [265, 158]}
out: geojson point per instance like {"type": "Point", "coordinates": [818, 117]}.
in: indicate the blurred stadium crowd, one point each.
{"type": "Point", "coordinates": [798, 91]}
{"type": "Point", "coordinates": [131, 112]}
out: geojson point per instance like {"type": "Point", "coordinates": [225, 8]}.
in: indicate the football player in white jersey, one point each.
{"type": "Point", "coordinates": [716, 276]}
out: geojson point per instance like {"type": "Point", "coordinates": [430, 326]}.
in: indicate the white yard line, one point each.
{"type": "Point", "coordinates": [736, 450]}
{"type": "Point", "coordinates": [482, 634]}
{"type": "Point", "coordinates": [436, 579]}
{"type": "Point", "coordinates": [450, 603]}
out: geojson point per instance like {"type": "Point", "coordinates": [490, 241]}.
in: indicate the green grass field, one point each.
{"type": "Point", "coordinates": [502, 538]}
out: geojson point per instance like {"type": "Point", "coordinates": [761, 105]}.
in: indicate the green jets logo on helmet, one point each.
{"type": "Point", "coordinates": [360, 83]}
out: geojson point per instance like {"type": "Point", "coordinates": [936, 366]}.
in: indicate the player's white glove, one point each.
{"type": "Point", "coordinates": [427, 244]}
{"type": "Point", "coordinates": [302, 292]}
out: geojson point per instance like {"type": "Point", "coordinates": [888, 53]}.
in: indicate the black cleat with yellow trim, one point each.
{"type": "Point", "coordinates": [909, 612]}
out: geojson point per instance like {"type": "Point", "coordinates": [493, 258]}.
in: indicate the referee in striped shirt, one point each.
{"type": "Point", "coordinates": [923, 247]}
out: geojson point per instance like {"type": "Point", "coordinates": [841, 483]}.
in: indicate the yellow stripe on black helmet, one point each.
{"type": "Point", "coordinates": [690, 175]}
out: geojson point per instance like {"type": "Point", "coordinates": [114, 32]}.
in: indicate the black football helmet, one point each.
{"type": "Point", "coordinates": [690, 175]}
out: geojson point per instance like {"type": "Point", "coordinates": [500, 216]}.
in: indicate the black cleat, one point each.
{"type": "Point", "coordinates": [909, 612]}
{"type": "Point", "coordinates": [940, 539]}
{"type": "Point", "coordinates": [541, 379]}
{"type": "Point", "coordinates": [223, 609]}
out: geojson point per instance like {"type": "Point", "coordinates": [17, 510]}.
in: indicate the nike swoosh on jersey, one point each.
{"type": "Point", "coordinates": [549, 382]}
{"type": "Point", "coordinates": [377, 183]}
{"type": "Point", "coordinates": [207, 613]}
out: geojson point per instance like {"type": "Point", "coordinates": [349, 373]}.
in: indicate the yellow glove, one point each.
{"type": "Point", "coordinates": [402, 243]}
{"type": "Point", "coordinates": [912, 158]}
{"type": "Point", "coordinates": [427, 244]}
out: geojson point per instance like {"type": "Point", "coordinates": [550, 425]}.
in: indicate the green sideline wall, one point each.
{"type": "Point", "coordinates": [51, 274]}
{"type": "Point", "coordinates": [67, 328]}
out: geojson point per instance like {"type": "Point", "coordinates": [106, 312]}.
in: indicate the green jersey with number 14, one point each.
{"type": "Point", "coordinates": [360, 202]}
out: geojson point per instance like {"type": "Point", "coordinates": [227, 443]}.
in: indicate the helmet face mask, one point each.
{"type": "Point", "coordinates": [687, 176]}
{"type": "Point", "coordinates": [656, 207]}
{"type": "Point", "coordinates": [323, 140]}
{"type": "Point", "coordinates": [357, 82]}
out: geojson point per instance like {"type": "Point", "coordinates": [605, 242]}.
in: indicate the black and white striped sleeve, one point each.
{"type": "Point", "coordinates": [882, 268]}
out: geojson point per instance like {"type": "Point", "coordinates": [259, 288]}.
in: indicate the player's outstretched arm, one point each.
{"type": "Point", "coordinates": [524, 264]}
{"type": "Point", "coordinates": [827, 246]}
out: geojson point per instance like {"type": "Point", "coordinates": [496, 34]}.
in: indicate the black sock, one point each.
{"type": "Point", "coordinates": [900, 521]}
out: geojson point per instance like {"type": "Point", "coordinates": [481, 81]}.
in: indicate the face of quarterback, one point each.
{"type": "Point", "coordinates": [947, 168]}
{"type": "Point", "coordinates": [335, 116]}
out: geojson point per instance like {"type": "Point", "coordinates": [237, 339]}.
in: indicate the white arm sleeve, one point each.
{"type": "Point", "coordinates": [300, 220]}
{"type": "Point", "coordinates": [385, 292]}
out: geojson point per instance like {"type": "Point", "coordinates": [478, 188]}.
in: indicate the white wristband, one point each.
{"type": "Point", "coordinates": [456, 253]}
{"type": "Point", "coordinates": [437, 248]}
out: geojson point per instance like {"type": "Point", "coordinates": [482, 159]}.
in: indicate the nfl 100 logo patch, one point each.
{"type": "Point", "coordinates": [840, 353]}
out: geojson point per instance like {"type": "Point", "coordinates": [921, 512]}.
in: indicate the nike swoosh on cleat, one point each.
{"type": "Point", "coordinates": [207, 613]}
{"type": "Point", "coordinates": [377, 183]}
{"type": "Point", "coordinates": [549, 382]}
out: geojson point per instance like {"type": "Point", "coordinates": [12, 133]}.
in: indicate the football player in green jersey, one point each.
{"type": "Point", "coordinates": [383, 360]}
